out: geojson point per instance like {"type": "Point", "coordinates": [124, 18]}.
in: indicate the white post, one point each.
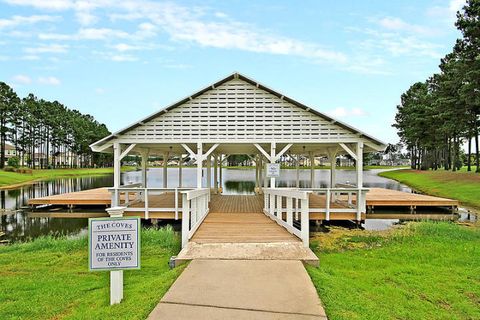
{"type": "Point", "coordinates": [359, 164]}
{"type": "Point", "coordinates": [180, 164]}
{"type": "Point", "coordinates": [144, 155]}
{"type": "Point", "coordinates": [273, 148]}
{"type": "Point", "coordinates": [116, 172]}
{"type": "Point", "coordinates": [359, 180]}
{"type": "Point", "coordinates": [116, 277]}
{"type": "Point", "coordinates": [220, 174]}
{"type": "Point", "coordinates": [332, 156]}
{"type": "Point", "coordinates": [215, 173]}
{"type": "Point", "coordinates": [257, 174]}
{"type": "Point", "coordinates": [209, 172]}
{"type": "Point", "coordinates": [185, 219]}
{"type": "Point", "coordinates": [297, 167]}
{"type": "Point", "coordinates": [165, 172]}
{"type": "Point", "coordinates": [312, 169]}
{"type": "Point", "coordinates": [265, 178]}
{"type": "Point", "coordinates": [305, 223]}
{"type": "Point", "coordinates": [199, 164]}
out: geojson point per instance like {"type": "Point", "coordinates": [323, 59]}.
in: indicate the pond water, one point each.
{"type": "Point", "coordinates": [17, 226]}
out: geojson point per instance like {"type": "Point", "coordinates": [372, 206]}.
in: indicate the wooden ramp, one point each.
{"type": "Point", "coordinates": [241, 227]}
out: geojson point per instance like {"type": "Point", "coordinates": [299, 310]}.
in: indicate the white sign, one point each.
{"type": "Point", "coordinates": [273, 170]}
{"type": "Point", "coordinates": [114, 243]}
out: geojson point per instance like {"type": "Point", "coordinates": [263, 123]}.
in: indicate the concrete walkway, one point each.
{"type": "Point", "coordinates": [241, 289]}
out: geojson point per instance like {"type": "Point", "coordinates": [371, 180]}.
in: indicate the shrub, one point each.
{"type": "Point", "coordinates": [14, 162]}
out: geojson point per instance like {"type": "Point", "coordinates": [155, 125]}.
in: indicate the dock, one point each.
{"type": "Point", "coordinates": [101, 197]}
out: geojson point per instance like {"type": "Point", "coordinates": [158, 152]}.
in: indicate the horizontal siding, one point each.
{"type": "Point", "coordinates": [241, 111]}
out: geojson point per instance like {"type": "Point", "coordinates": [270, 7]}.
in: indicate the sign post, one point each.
{"type": "Point", "coordinates": [114, 245]}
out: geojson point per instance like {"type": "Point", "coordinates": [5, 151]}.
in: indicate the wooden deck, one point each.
{"type": "Point", "coordinates": [376, 197]}
{"type": "Point", "coordinates": [392, 198]}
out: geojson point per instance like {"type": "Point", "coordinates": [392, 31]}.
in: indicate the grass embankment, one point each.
{"type": "Point", "coordinates": [461, 185]}
{"type": "Point", "coordinates": [424, 270]}
{"type": "Point", "coordinates": [49, 279]}
{"type": "Point", "coordinates": [14, 178]}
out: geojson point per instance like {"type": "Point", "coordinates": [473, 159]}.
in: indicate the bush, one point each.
{"type": "Point", "coordinates": [14, 162]}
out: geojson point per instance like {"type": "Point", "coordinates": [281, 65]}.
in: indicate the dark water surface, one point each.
{"type": "Point", "coordinates": [17, 226]}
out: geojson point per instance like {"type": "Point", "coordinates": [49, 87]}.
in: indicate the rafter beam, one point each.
{"type": "Point", "coordinates": [265, 153]}
{"type": "Point", "coordinates": [349, 151]}
{"type": "Point", "coordinates": [127, 150]}
{"type": "Point", "coordinates": [192, 154]}
{"type": "Point", "coordinates": [212, 148]}
{"type": "Point", "coordinates": [283, 151]}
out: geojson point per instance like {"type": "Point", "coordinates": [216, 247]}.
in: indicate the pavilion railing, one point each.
{"type": "Point", "coordinates": [195, 207]}
{"type": "Point", "coordinates": [130, 195]}
{"type": "Point", "coordinates": [289, 208]}
{"type": "Point", "coordinates": [348, 199]}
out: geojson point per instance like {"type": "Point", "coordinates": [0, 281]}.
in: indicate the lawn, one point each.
{"type": "Point", "coordinates": [13, 178]}
{"type": "Point", "coordinates": [462, 185]}
{"type": "Point", "coordinates": [49, 279]}
{"type": "Point", "coordinates": [424, 270]}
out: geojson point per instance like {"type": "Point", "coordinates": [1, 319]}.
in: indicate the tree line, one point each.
{"type": "Point", "coordinates": [48, 134]}
{"type": "Point", "coordinates": [438, 116]}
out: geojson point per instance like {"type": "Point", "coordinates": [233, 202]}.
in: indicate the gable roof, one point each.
{"type": "Point", "coordinates": [251, 82]}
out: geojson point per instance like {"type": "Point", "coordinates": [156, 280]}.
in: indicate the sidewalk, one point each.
{"type": "Point", "coordinates": [241, 289]}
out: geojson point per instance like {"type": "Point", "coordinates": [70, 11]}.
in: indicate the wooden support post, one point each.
{"type": "Point", "coordinates": [273, 150]}
{"type": "Point", "coordinates": [199, 164]}
{"type": "Point", "coordinates": [220, 174]}
{"type": "Point", "coordinates": [116, 173]}
{"type": "Point", "coordinates": [297, 167]}
{"type": "Point", "coordinates": [180, 165]}
{"type": "Point", "coordinates": [165, 172]}
{"type": "Point", "coordinates": [359, 164]}
{"type": "Point", "coordinates": [209, 171]}
{"type": "Point", "coordinates": [289, 211]}
{"type": "Point", "coordinates": [185, 219]}
{"type": "Point", "coordinates": [312, 169]}
{"type": "Point", "coordinates": [305, 223]}
{"type": "Point", "coordinates": [215, 173]}
{"type": "Point", "coordinates": [144, 154]}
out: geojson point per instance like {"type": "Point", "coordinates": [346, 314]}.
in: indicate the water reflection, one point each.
{"type": "Point", "coordinates": [18, 226]}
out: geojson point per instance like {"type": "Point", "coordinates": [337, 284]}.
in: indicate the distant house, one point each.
{"type": "Point", "coordinates": [10, 151]}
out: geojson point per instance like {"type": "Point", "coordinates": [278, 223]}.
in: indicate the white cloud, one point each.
{"type": "Point", "coordinates": [397, 24]}
{"type": "Point", "coordinates": [16, 21]}
{"type": "Point", "coordinates": [342, 112]}
{"type": "Point", "coordinates": [99, 91]}
{"type": "Point", "coordinates": [43, 4]}
{"type": "Point", "coordinates": [125, 47]}
{"type": "Point", "coordinates": [86, 34]}
{"type": "Point", "coordinates": [22, 79]}
{"type": "Point", "coordinates": [47, 48]}
{"type": "Point", "coordinates": [49, 81]}
{"type": "Point", "coordinates": [123, 57]}
{"type": "Point", "coordinates": [446, 13]}
{"type": "Point", "coordinates": [195, 25]}
{"type": "Point", "coordinates": [30, 57]}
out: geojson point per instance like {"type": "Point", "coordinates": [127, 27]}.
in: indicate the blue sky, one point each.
{"type": "Point", "coordinates": [123, 60]}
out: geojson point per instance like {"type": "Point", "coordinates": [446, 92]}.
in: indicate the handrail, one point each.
{"type": "Point", "coordinates": [334, 195]}
{"type": "Point", "coordinates": [296, 200]}
{"type": "Point", "coordinates": [195, 207]}
{"type": "Point", "coordinates": [142, 195]}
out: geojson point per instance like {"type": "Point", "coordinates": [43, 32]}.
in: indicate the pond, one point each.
{"type": "Point", "coordinates": [17, 226]}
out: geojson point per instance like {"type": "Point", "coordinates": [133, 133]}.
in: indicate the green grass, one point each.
{"type": "Point", "coordinates": [462, 185]}
{"type": "Point", "coordinates": [49, 279]}
{"type": "Point", "coordinates": [425, 270]}
{"type": "Point", "coordinates": [13, 178]}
